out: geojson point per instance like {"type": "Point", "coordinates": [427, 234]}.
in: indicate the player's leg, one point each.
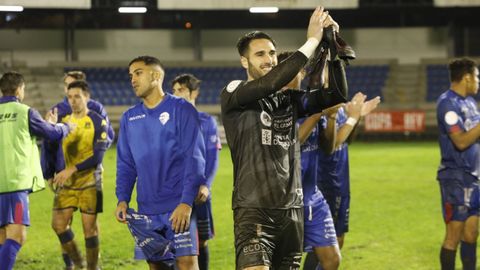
{"type": "Point", "coordinates": [289, 238]}
{"type": "Point", "coordinates": [203, 254]}
{"type": "Point", "coordinates": [329, 257]}
{"type": "Point", "coordinates": [69, 265]}
{"type": "Point", "coordinates": [14, 218]}
{"type": "Point", "coordinates": [64, 205]}
{"type": "Point", "coordinates": [3, 236]}
{"type": "Point", "coordinates": [15, 236]}
{"type": "Point", "coordinates": [187, 263]}
{"type": "Point", "coordinates": [159, 266]}
{"type": "Point", "coordinates": [468, 246]}
{"type": "Point", "coordinates": [254, 232]}
{"type": "Point", "coordinates": [311, 261]}
{"type": "Point", "coordinates": [448, 252]}
{"type": "Point", "coordinates": [205, 232]}
{"type": "Point", "coordinates": [186, 253]}
{"type": "Point", "coordinates": [89, 208]}
{"type": "Point", "coordinates": [90, 232]}
{"type": "Point", "coordinates": [341, 240]}
{"type": "Point", "coordinates": [320, 235]}
{"type": "Point", "coordinates": [454, 215]}
{"type": "Point", "coordinates": [341, 219]}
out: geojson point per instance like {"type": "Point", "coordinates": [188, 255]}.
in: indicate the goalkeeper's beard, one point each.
{"type": "Point", "coordinates": [256, 73]}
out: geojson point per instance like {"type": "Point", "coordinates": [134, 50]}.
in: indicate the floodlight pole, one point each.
{"type": "Point", "coordinates": [69, 37]}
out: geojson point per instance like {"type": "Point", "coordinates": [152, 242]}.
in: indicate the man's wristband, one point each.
{"type": "Point", "coordinates": [351, 121]}
{"type": "Point", "coordinates": [309, 47]}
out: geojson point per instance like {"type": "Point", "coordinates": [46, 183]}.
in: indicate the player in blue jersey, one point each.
{"type": "Point", "coordinates": [161, 150]}
{"type": "Point", "coordinates": [318, 134]}
{"type": "Point", "coordinates": [319, 232]}
{"type": "Point", "coordinates": [459, 171]}
{"type": "Point", "coordinates": [20, 173]}
{"type": "Point", "coordinates": [333, 170]}
{"type": "Point", "coordinates": [333, 177]}
{"type": "Point", "coordinates": [187, 86]}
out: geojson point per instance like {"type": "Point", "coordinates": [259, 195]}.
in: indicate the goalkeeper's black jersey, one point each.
{"type": "Point", "coordinates": [262, 136]}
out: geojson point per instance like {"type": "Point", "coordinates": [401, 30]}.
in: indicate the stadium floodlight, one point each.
{"type": "Point", "coordinates": [132, 9]}
{"type": "Point", "coordinates": [11, 8]}
{"type": "Point", "coordinates": [263, 9]}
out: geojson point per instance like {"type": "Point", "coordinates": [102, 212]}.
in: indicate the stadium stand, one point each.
{"type": "Point", "coordinates": [111, 85]}
{"type": "Point", "coordinates": [437, 81]}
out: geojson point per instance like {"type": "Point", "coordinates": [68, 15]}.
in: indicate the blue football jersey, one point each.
{"type": "Point", "coordinates": [309, 163]}
{"type": "Point", "coordinates": [161, 150]}
{"type": "Point", "coordinates": [333, 171]}
{"type": "Point", "coordinates": [209, 130]}
{"type": "Point", "coordinates": [456, 113]}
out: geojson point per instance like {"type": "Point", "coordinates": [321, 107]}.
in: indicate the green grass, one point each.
{"type": "Point", "coordinates": [395, 220]}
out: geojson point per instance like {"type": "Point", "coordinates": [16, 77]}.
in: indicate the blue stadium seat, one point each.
{"type": "Point", "coordinates": [111, 85]}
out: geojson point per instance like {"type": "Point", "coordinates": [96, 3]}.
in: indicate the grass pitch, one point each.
{"type": "Point", "coordinates": [395, 215]}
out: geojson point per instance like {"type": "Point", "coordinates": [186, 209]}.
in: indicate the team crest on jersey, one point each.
{"type": "Point", "coordinates": [213, 138]}
{"type": "Point", "coordinates": [451, 118]}
{"type": "Point", "coordinates": [103, 135]}
{"type": "Point", "coordinates": [164, 117]}
{"type": "Point", "coordinates": [266, 119]}
{"type": "Point", "coordinates": [88, 125]}
{"type": "Point", "coordinates": [104, 122]}
{"type": "Point", "coordinates": [233, 85]}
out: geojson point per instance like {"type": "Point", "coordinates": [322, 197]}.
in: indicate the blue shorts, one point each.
{"type": "Point", "coordinates": [340, 209]}
{"type": "Point", "coordinates": [459, 200]}
{"type": "Point", "coordinates": [14, 208]}
{"type": "Point", "coordinates": [184, 244]}
{"type": "Point", "coordinates": [206, 229]}
{"type": "Point", "coordinates": [319, 230]}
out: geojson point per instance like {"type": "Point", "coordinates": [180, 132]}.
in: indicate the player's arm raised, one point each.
{"type": "Point", "coordinates": [284, 72]}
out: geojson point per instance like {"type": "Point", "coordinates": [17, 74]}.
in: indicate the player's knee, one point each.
{"type": "Point", "coordinates": [66, 236]}
{"type": "Point", "coordinates": [337, 258]}
{"type": "Point", "coordinates": [90, 230]}
{"type": "Point", "coordinates": [187, 263]}
{"type": "Point", "coordinates": [470, 235]}
{"type": "Point", "coordinates": [202, 243]}
{"type": "Point", "coordinates": [19, 236]}
{"type": "Point", "coordinates": [59, 227]}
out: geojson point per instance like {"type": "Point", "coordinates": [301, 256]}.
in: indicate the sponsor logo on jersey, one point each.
{"type": "Point", "coordinates": [8, 117]}
{"type": "Point", "coordinates": [252, 249]}
{"type": "Point", "coordinates": [266, 137]}
{"type": "Point", "coordinates": [164, 117]}
{"type": "Point", "coordinates": [283, 123]}
{"type": "Point", "coordinates": [232, 86]}
{"type": "Point", "coordinates": [283, 140]}
{"type": "Point", "coordinates": [104, 122]}
{"type": "Point", "coordinates": [266, 119]}
{"type": "Point", "coordinates": [136, 117]}
{"type": "Point", "coordinates": [213, 138]}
